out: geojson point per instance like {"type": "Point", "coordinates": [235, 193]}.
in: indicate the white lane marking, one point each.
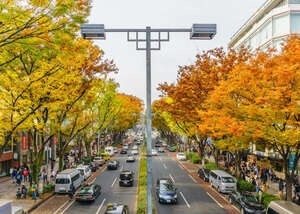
{"type": "Point", "coordinates": [121, 168]}
{"type": "Point", "coordinates": [181, 166]}
{"type": "Point", "coordinates": [219, 194]}
{"type": "Point", "coordinates": [165, 166]}
{"type": "Point", "coordinates": [159, 159]}
{"type": "Point", "coordinates": [215, 200]}
{"type": "Point", "coordinates": [99, 209]}
{"type": "Point", "coordinates": [93, 180]}
{"type": "Point", "coordinates": [172, 178]}
{"type": "Point", "coordinates": [64, 204]}
{"type": "Point", "coordinates": [114, 182]}
{"type": "Point", "coordinates": [193, 179]}
{"type": "Point", "coordinates": [67, 207]}
{"type": "Point", "coordinates": [187, 203]}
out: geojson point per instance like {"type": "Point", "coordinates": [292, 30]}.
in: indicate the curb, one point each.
{"type": "Point", "coordinates": [36, 205]}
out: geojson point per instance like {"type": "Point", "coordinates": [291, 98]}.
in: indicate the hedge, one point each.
{"type": "Point", "coordinates": [142, 190]}
{"type": "Point", "coordinates": [211, 166]}
{"type": "Point", "coordinates": [245, 186]}
{"type": "Point", "coordinates": [194, 157]}
{"type": "Point", "coordinates": [267, 198]}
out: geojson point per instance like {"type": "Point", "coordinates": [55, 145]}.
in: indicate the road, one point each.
{"type": "Point", "coordinates": [111, 192]}
{"type": "Point", "coordinates": [192, 199]}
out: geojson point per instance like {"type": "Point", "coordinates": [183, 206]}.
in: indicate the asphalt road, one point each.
{"type": "Point", "coordinates": [111, 192]}
{"type": "Point", "coordinates": [192, 199]}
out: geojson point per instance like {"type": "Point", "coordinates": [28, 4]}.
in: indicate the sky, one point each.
{"type": "Point", "coordinates": [229, 15]}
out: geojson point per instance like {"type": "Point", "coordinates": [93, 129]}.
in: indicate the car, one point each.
{"type": "Point", "coordinates": [170, 149]}
{"type": "Point", "coordinates": [161, 150]}
{"type": "Point", "coordinates": [125, 146]}
{"type": "Point", "coordinates": [99, 160]}
{"type": "Point", "coordinates": [123, 151]}
{"type": "Point", "coordinates": [246, 202]}
{"type": "Point", "coordinates": [135, 152]}
{"type": "Point", "coordinates": [116, 208]}
{"type": "Point", "coordinates": [126, 178]}
{"type": "Point", "coordinates": [164, 144]}
{"type": "Point", "coordinates": [154, 152]}
{"type": "Point", "coordinates": [166, 191]}
{"type": "Point", "coordinates": [88, 193]}
{"type": "Point", "coordinates": [113, 165]}
{"type": "Point", "coordinates": [94, 166]}
{"type": "Point", "coordinates": [204, 174]}
{"type": "Point", "coordinates": [181, 156]}
{"type": "Point", "coordinates": [130, 158]}
{"type": "Point", "coordinates": [115, 149]}
{"type": "Point", "coordinates": [85, 171]}
{"type": "Point", "coordinates": [135, 147]}
{"type": "Point", "coordinates": [157, 144]}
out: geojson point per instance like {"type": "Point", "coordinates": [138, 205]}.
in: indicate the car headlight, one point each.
{"type": "Point", "coordinates": [175, 196]}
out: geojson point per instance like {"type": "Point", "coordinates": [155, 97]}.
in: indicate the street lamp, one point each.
{"type": "Point", "coordinates": [197, 31]}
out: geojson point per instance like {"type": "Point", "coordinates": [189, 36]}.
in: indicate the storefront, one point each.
{"type": "Point", "coordinates": [5, 163]}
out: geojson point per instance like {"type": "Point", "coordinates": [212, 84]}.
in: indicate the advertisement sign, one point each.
{"type": "Point", "coordinates": [24, 142]}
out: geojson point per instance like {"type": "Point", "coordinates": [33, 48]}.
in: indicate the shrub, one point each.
{"type": "Point", "coordinates": [267, 198]}
{"type": "Point", "coordinates": [48, 188]}
{"type": "Point", "coordinates": [212, 166]}
{"type": "Point", "coordinates": [195, 159]}
{"type": "Point", "coordinates": [243, 185]}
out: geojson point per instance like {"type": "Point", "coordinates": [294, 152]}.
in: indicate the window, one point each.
{"type": "Point", "coordinates": [266, 32]}
{"type": "Point", "coordinates": [62, 181]}
{"type": "Point", "coordinates": [75, 178]}
{"type": "Point", "coordinates": [294, 1]}
{"type": "Point", "coordinates": [281, 25]}
{"type": "Point", "coordinates": [295, 22]}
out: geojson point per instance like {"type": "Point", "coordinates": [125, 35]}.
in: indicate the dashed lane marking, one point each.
{"type": "Point", "coordinates": [172, 178]}
{"type": "Point", "coordinates": [165, 166]}
{"type": "Point", "coordinates": [100, 207]}
{"type": "Point", "coordinates": [193, 179]}
{"type": "Point", "coordinates": [215, 200]}
{"type": "Point", "coordinates": [187, 203]}
{"type": "Point", "coordinates": [114, 182]}
{"type": "Point", "coordinates": [64, 204]}
{"type": "Point", "coordinates": [68, 207]}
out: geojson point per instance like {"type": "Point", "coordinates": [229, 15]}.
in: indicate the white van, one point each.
{"type": "Point", "coordinates": [222, 181]}
{"type": "Point", "coordinates": [109, 150]}
{"type": "Point", "coordinates": [65, 178]}
{"type": "Point", "coordinates": [282, 207]}
{"type": "Point", "coordinates": [85, 171]}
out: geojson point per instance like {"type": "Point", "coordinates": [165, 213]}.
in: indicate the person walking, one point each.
{"type": "Point", "coordinates": [34, 190]}
{"type": "Point", "coordinates": [72, 191]}
{"type": "Point", "coordinates": [25, 174]}
{"type": "Point", "coordinates": [14, 175]}
{"type": "Point", "coordinates": [281, 187]}
{"type": "Point", "coordinates": [24, 191]}
{"type": "Point", "coordinates": [45, 176]}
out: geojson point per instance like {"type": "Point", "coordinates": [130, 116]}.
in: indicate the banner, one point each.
{"type": "Point", "coordinates": [23, 142]}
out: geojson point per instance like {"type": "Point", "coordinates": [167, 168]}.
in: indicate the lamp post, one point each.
{"type": "Point", "coordinates": [197, 31]}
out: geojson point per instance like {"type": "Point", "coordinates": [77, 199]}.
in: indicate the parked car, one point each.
{"type": "Point", "coordinates": [85, 171]}
{"type": "Point", "coordinates": [109, 150]}
{"type": "Point", "coordinates": [116, 150]}
{"type": "Point", "coordinates": [171, 149]}
{"type": "Point", "coordinates": [222, 181]}
{"type": "Point", "coordinates": [164, 144]}
{"type": "Point", "coordinates": [154, 152]}
{"type": "Point", "coordinates": [123, 151]}
{"type": "Point", "coordinates": [181, 156]}
{"type": "Point", "coordinates": [126, 178]}
{"type": "Point", "coordinates": [246, 202]}
{"type": "Point", "coordinates": [135, 152]}
{"type": "Point", "coordinates": [166, 191]}
{"type": "Point", "coordinates": [204, 174]}
{"type": "Point", "coordinates": [99, 160]}
{"type": "Point", "coordinates": [116, 209]}
{"type": "Point", "coordinates": [94, 166]}
{"type": "Point", "coordinates": [113, 165]}
{"type": "Point", "coordinates": [135, 147]}
{"type": "Point", "coordinates": [88, 193]}
{"type": "Point", "coordinates": [64, 179]}
{"type": "Point", "coordinates": [130, 158]}
{"type": "Point", "coordinates": [282, 207]}
{"type": "Point", "coordinates": [161, 150]}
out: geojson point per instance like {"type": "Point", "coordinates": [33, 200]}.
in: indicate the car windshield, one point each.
{"type": "Point", "coordinates": [206, 171]}
{"type": "Point", "coordinates": [86, 190]}
{"type": "Point", "coordinates": [250, 199]}
{"type": "Point", "coordinates": [167, 187]}
{"type": "Point", "coordinates": [112, 162]}
{"type": "Point", "coordinates": [227, 180]}
{"type": "Point", "coordinates": [125, 176]}
{"type": "Point", "coordinates": [62, 181]}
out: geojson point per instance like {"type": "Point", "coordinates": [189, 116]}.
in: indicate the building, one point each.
{"type": "Point", "coordinates": [273, 22]}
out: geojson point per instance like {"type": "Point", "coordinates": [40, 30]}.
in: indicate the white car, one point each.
{"type": "Point", "coordinates": [85, 171]}
{"type": "Point", "coordinates": [130, 158]}
{"type": "Point", "coordinates": [115, 150]}
{"type": "Point", "coordinates": [164, 144]}
{"type": "Point", "coordinates": [181, 156]}
{"type": "Point", "coordinates": [135, 152]}
{"type": "Point", "coordinates": [154, 152]}
{"type": "Point", "coordinates": [134, 147]}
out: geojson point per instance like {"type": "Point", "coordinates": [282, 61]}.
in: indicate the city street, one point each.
{"type": "Point", "coordinates": [111, 192]}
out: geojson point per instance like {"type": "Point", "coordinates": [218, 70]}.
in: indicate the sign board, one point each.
{"type": "Point", "coordinates": [23, 142]}
{"type": "Point", "coordinates": [15, 156]}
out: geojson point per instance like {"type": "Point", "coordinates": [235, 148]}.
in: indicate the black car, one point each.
{"type": "Point", "coordinates": [123, 151]}
{"type": "Point", "coordinates": [113, 164]}
{"type": "Point", "coordinates": [166, 191]}
{"type": "Point", "coordinates": [88, 193]}
{"type": "Point", "coordinates": [117, 209]}
{"type": "Point", "coordinates": [126, 178]}
{"type": "Point", "coordinates": [246, 202]}
{"type": "Point", "coordinates": [94, 166]}
{"type": "Point", "coordinates": [204, 174]}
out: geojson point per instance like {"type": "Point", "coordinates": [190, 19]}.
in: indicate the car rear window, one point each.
{"type": "Point", "coordinates": [86, 190]}
{"type": "Point", "coordinates": [166, 187]}
{"type": "Point", "coordinates": [125, 176]}
{"type": "Point", "coordinates": [62, 181]}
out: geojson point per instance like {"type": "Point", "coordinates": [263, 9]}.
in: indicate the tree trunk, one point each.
{"type": "Point", "coordinates": [237, 164]}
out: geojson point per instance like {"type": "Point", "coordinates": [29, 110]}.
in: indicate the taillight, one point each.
{"type": "Point", "coordinates": [89, 197]}
{"type": "Point", "coordinates": [77, 197]}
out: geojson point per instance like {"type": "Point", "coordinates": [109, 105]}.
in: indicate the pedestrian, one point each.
{"type": "Point", "coordinates": [19, 194]}
{"type": "Point", "coordinates": [14, 175]}
{"type": "Point", "coordinates": [52, 165]}
{"type": "Point", "coordinates": [34, 190]}
{"type": "Point", "coordinates": [24, 191]}
{"type": "Point", "coordinates": [45, 176]}
{"type": "Point", "coordinates": [25, 174]}
{"type": "Point", "coordinates": [19, 177]}
{"type": "Point", "coordinates": [72, 191]}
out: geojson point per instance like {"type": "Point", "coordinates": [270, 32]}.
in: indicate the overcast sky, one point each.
{"type": "Point", "coordinates": [229, 15]}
